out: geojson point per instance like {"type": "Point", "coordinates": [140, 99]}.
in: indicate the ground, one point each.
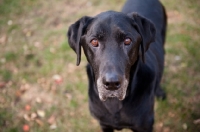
{"type": "Point", "coordinates": [41, 89]}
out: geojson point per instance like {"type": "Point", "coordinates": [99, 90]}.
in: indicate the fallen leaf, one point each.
{"type": "Point", "coordinates": [68, 95]}
{"type": "Point", "coordinates": [38, 100]}
{"type": "Point", "coordinates": [10, 22]}
{"type": "Point", "coordinates": [185, 126]}
{"type": "Point", "coordinates": [37, 44]}
{"type": "Point", "coordinates": [39, 122]}
{"type": "Point", "coordinates": [2, 84]}
{"type": "Point", "coordinates": [27, 107]}
{"type": "Point", "coordinates": [41, 113]}
{"type": "Point", "coordinates": [3, 39]}
{"type": "Point", "coordinates": [18, 93]}
{"type": "Point", "coordinates": [57, 78]}
{"type": "Point", "coordinates": [24, 88]}
{"type": "Point", "coordinates": [51, 119]}
{"type": "Point", "coordinates": [26, 128]}
{"type": "Point", "coordinates": [26, 117]}
{"type": "Point", "coordinates": [197, 121]}
{"type": "Point", "coordinates": [53, 126]}
{"type": "Point", "coordinates": [33, 116]}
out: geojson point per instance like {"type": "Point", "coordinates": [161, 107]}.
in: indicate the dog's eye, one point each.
{"type": "Point", "coordinates": [94, 42]}
{"type": "Point", "coordinates": [127, 41]}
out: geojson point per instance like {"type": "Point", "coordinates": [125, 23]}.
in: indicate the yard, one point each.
{"type": "Point", "coordinates": [43, 90]}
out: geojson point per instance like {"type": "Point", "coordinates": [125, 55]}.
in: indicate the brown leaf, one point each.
{"type": "Point", "coordinates": [39, 122]}
{"type": "Point", "coordinates": [26, 117]}
{"type": "Point", "coordinates": [27, 107]}
{"type": "Point", "coordinates": [26, 128]}
{"type": "Point", "coordinates": [51, 119]}
{"type": "Point", "coordinates": [38, 100]}
{"type": "Point", "coordinates": [18, 93]}
{"type": "Point", "coordinates": [33, 116]}
{"type": "Point", "coordinates": [2, 84]}
{"type": "Point", "coordinates": [197, 121]}
{"type": "Point", "coordinates": [68, 95]}
{"type": "Point", "coordinates": [3, 39]}
{"type": "Point", "coordinates": [24, 88]}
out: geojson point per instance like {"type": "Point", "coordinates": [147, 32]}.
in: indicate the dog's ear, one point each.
{"type": "Point", "coordinates": [74, 34]}
{"type": "Point", "coordinates": [146, 29]}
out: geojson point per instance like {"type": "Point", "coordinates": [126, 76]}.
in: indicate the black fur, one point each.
{"type": "Point", "coordinates": [135, 68]}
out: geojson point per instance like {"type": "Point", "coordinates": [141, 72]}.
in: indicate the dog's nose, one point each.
{"type": "Point", "coordinates": [112, 81]}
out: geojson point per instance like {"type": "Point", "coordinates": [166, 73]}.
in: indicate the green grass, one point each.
{"type": "Point", "coordinates": [6, 75]}
{"type": "Point", "coordinates": [36, 48]}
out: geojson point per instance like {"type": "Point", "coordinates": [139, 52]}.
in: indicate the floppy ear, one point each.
{"type": "Point", "coordinates": [74, 34]}
{"type": "Point", "coordinates": [146, 29]}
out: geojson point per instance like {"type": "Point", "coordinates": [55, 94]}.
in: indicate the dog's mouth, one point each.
{"type": "Point", "coordinates": [120, 93]}
{"type": "Point", "coordinates": [103, 97]}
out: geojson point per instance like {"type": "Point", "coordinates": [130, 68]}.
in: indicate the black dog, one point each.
{"type": "Point", "coordinates": [126, 59]}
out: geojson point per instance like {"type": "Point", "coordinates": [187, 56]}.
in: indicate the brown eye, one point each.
{"type": "Point", "coordinates": [94, 42]}
{"type": "Point", "coordinates": [127, 41]}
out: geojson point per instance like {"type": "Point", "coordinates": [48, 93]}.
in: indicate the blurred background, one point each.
{"type": "Point", "coordinates": [42, 89]}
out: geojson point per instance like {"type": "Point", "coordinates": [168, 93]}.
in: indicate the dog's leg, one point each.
{"type": "Point", "coordinates": [151, 130]}
{"type": "Point", "coordinates": [106, 128]}
{"type": "Point", "coordinates": [160, 93]}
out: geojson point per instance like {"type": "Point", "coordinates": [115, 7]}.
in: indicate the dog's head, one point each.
{"type": "Point", "coordinates": [112, 42]}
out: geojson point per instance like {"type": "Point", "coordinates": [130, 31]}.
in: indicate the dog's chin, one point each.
{"type": "Point", "coordinates": [119, 94]}
{"type": "Point", "coordinates": [105, 97]}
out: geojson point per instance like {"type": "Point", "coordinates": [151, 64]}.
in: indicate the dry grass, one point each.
{"type": "Point", "coordinates": [34, 49]}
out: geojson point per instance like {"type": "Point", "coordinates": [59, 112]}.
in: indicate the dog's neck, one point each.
{"type": "Point", "coordinates": [113, 105]}
{"type": "Point", "coordinates": [132, 76]}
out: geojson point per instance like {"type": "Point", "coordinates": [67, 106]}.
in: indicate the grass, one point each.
{"type": "Point", "coordinates": [34, 48]}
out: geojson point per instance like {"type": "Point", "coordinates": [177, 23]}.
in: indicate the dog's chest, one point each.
{"type": "Point", "coordinates": [117, 115]}
{"type": "Point", "coordinates": [119, 119]}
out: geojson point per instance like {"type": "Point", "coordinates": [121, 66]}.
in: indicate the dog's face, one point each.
{"type": "Point", "coordinates": [111, 45]}
{"type": "Point", "coordinates": [112, 42]}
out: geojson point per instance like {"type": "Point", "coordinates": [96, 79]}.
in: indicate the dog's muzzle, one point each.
{"type": "Point", "coordinates": [109, 88]}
